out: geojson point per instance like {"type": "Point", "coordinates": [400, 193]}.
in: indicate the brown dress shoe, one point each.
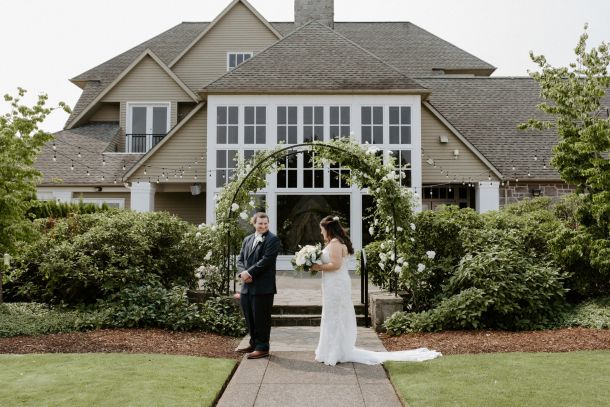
{"type": "Point", "coordinates": [257, 354]}
{"type": "Point", "coordinates": [247, 349]}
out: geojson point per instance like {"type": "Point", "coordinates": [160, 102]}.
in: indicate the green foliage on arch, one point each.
{"type": "Point", "coordinates": [392, 216]}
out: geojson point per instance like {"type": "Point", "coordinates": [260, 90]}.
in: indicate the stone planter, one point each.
{"type": "Point", "coordinates": [383, 305]}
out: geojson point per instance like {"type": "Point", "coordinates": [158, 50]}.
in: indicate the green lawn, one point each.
{"type": "Point", "coordinates": [112, 379]}
{"type": "Point", "coordinates": [506, 379]}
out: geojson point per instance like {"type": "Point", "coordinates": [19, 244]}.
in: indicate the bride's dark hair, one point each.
{"type": "Point", "coordinates": [334, 230]}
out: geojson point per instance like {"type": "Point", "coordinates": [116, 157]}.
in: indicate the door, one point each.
{"type": "Point", "coordinates": [147, 125]}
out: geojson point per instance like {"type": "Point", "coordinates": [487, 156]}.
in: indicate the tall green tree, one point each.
{"type": "Point", "coordinates": [20, 142]}
{"type": "Point", "coordinates": [575, 98]}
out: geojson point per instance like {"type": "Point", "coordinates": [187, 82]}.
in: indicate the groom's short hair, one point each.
{"type": "Point", "coordinates": [259, 215]}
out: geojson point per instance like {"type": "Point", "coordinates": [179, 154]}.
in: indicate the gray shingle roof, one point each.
{"type": "Point", "coordinates": [166, 46]}
{"type": "Point", "coordinates": [93, 139]}
{"type": "Point", "coordinates": [313, 57]}
{"type": "Point", "coordinates": [404, 45]}
{"type": "Point", "coordinates": [487, 112]}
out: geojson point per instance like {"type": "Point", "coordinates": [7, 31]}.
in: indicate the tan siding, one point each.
{"type": "Point", "coordinates": [190, 208]}
{"type": "Point", "coordinates": [122, 125]}
{"type": "Point", "coordinates": [467, 165]}
{"type": "Point", "coordinates": [174, 114]}
{"type": "Point", "coordinates": [106, 112]}
{"type": "Point", "coordinates": [239, 30]}
{"type": "Point", "coordinates": [185, 147]}
{"type": "Point", "coordinates": [124, 195]}
{"type": "Point", "coordinates": [147, 82]}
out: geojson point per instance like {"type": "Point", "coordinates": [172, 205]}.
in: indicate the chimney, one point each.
{"type": "Point", "coordinates": [320, 10]}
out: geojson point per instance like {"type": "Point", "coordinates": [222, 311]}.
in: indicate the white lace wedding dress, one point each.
{"type": "Point", "coordinates": [338, 327]}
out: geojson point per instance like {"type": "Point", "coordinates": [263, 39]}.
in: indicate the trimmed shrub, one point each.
{"type": "Point", "coordinates": [83, 258]}
{"type": "Point", "coordinates": [54, 209]}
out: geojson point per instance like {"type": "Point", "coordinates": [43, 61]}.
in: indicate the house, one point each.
{"type": "Point", "coordinates": [158, 126]}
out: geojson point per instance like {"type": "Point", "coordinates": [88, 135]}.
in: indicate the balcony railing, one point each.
{"type": "Point", "coordinates": [141, 143]}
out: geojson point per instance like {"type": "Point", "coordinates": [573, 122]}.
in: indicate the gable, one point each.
{"type": "Point", "coordinates": [238, 30]}
{"type": "Point", "coordinates": [465, 166]}
{"type": "Point", "coordinates": [182, 148]}
{"type": "Point", "coordinates": [147, 81]}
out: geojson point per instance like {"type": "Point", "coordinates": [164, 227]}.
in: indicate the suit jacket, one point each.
{"type": "Point", "coordinates": [259, 261]}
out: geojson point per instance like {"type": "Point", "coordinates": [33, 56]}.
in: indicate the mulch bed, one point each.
{"type": "Point", "coordinates": [210, 345]}
{"type": "Point", "coordinates": [460, 342]}
{"type": "Point", "coordinates": [126, 340]}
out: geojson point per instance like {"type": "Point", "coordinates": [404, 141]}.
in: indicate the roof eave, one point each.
{"type": "Point", "coordinates": [307, 91]}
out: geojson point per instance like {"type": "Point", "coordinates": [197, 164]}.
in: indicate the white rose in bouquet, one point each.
{"type": "Point", "coordinates": [307, 257]}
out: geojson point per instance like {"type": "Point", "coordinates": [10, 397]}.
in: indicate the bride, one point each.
{"type": "Point", "coordinates": [338, 326]}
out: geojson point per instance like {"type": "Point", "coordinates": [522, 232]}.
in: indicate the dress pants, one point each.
{"type": "Point", "coordinates": [257, 311]}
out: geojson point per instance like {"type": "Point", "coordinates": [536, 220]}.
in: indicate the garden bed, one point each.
{"type": "Point", "coordinates": [211, 345]}
{"type": "Point", "coordinates": [460, 342]}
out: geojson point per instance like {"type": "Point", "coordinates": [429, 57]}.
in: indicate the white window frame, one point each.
{"type": "Point", "coordinates": [249, 53]}
{"type": "Point", "coordinates": [272, 102]}
{"type": "Point", "coordinates": [149, 118]}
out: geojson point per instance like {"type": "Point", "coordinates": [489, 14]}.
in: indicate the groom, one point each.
{"type": "Point", "coordinates": [256, 265]}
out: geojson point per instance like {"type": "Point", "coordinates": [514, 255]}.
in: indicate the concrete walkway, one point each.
{"type": "Point", "coordinates": [291, 376]}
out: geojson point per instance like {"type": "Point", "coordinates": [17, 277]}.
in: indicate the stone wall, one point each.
{"type": "Point", "coordinates": [517, 192]}
{"type": "Point", "coordinates": [320, 10]}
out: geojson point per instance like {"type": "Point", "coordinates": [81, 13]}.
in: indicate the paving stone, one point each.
{"type": "Point", "coordinates": [380, 395]}
{"type": "Point", "coordinates": [309, 395]}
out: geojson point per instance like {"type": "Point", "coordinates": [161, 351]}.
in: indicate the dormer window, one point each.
{"type": "Point", "coordinates": [236, 58]}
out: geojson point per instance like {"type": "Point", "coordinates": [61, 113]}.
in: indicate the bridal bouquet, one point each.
{"type": "Point", "coordinates": [307, 257]}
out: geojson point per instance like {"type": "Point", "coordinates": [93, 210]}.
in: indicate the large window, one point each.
{"type": "Point", "coordinates": [299, 216]}
{"type": "Point", "coordinates": [400, 125]}
{"type": "Point", "coordinates": [403, 166]}
{"type": "Point", "coordinates": [225, 166]}
{"type": "Point", "coordinates": [147, 124]}
{"type": "Point", "coordinates": [227, 125]}
{"type": "Point", "coordinates": [313, 123]}
{"type": "Point", "coordinates": [287, 124]}
{"type": "Point", "coordinates": [236, 58]}
{"type": "Point", "coordinates": [339, 121]}
{"type": "Point", "coordinates": [287, 177]}
{"type": "Point", "coordinates": [255, 125]}
{"type": "Point", "coordinates": [372, 124]}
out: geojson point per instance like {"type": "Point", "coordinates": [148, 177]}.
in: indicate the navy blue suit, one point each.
{"type": "Point", "coordinates": [257, 296]}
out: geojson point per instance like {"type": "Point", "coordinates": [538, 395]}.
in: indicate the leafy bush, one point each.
{"type": "Point", "coordinates": [88, 257]}
{"type": "Point", "coordinates": [156, 306]}
{"type": "Point", "coordinates": [497, 284]}
{"type": "Point", "coordinates": [54, 209]}
{"type": "Point", "coordinates": [589, 314]}
{"type": "Point", "coordinates": [437, 233]}
{"type": "Point", "coordinates": [37, 319]}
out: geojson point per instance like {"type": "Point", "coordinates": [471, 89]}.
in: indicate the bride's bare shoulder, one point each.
{"type": "Point", "coordinates": [336, 243]}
